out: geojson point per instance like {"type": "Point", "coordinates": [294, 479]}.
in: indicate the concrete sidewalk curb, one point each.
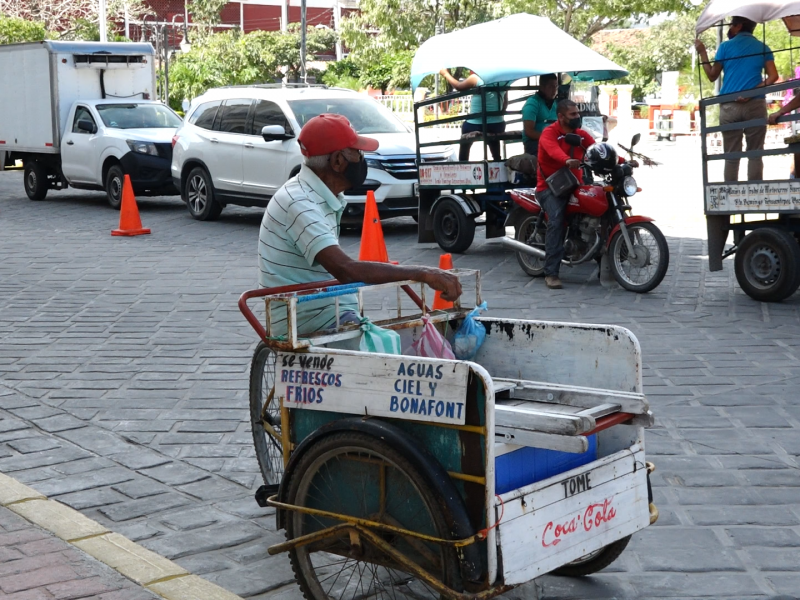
{"type": "Point", "coordinates": [142, 566]}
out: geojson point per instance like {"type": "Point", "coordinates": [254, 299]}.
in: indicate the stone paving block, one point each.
{"type": "Point", "coordinates": [699, 585]}
{"type": "Point", "coordinates": [196, 541]}
{"type": "Point", "coordinates": [97, 440]}
{"type": "Point", "coordinates": [785, 583]}
{"type": "Point", "coordinates": [742, 515]}
{"type": "Point", "coordinates": [195, 518]}
{"type": "Point", "coordinates": [683, 550]}
{"type": "Point", "coordinates": [141, 458]}
{"type": "Point", "coordinates": [144, 506]}
{"type": "Point", "coordinates": [191, 588]}
{"type": "Point", "coordinates": [37, 578]}
{"type": "Point", "coordinates": [174, 474]}
{"type": "Point", "coordinates": [34, 444]}
{"type": "Point", "coordinates": [770, 537]}
{"type": "Point", "coordinates": [82, 466]}
{"type": "Point", "coordinates": [141, 488]}
{"type": "Point", "coordinates": [84, 481]}
{"type": "Point", "coordinates": [58, 423]}
{"type": "Point", "coordinates": [215, 488]}
{"type": "Point", "coordinates": [12, 491]}
{"type": "Point", "coordinates": [91, 498]}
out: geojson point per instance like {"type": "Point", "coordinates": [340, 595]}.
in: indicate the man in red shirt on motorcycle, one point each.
{"type": "Point", "coordinates": [554, 154]}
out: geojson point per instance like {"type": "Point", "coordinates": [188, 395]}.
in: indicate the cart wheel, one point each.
{"type": "Point", "coordinates": [767, 265]}
{"type": "Point", "coordinates": [358, 475]}
{"type": "Point", "coordinates": [594, 561]}
{"type": "Point", "coordinates": [528, 233]}
{"type": "Point", "coordinates": [265, 415]}
{"type": "Point", "coordinates": [644, 272]}
{"type": "Point", "coordinates": [452, 228]}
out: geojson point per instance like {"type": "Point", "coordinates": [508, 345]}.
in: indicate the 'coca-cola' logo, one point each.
{"type": "Point", "coordinates": [594, 516]}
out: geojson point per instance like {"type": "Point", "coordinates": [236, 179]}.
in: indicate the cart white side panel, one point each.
{"type": "Point", "coordinates": [563, 518]}
{"type": "Point", "coordinates": [25, 100]}
{"type": "Point", "coordinates": [597, 356]}
{"type": "Point", "coordinates": [757, 197]}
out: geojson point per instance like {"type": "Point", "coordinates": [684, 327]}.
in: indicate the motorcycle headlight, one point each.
{"type": "Point", "coordinates": [629, 186]}
{"type": "Point", "coordinates": [373, 162]}
{"type": "Point", "coordinates": [143, 147]}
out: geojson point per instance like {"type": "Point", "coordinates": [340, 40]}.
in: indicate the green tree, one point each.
{"type": "Point", "coordinates": [16, 29]}
{"type": "Point", "coordinates": [397, 27]}
{"type": "Point", "coordinates": [583, 18]}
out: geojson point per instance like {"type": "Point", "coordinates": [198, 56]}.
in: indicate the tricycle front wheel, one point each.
{"type": "Point", "coordinates": [594, 561]}
{"type": "Point", "coordinates": [265, 415]}
{"type": "Point", "coordinates": [357, 475]}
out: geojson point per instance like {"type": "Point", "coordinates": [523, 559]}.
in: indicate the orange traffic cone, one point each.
{"type": "Point", "coordinates": [446, 264]}
{"type": "Point", "coordinates": [129, 221]}
{"type": "Point", "coordinates": [373, 247]}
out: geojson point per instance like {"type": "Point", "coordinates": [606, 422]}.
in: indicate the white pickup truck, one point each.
{"type": "Point", "coordinates": [81, 114]}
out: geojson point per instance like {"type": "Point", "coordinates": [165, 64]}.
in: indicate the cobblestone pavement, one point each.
{"type": "Point", "coordinates": [36, 565]}
{"type": "Point", "coordinates": [124, 373]}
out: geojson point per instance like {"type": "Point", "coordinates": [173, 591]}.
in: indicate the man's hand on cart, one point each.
{"type": "Point", "coordinates": [347, 270]}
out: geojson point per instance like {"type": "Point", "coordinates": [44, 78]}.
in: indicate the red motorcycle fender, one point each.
{"type": "Point", "coordinates": [628, 221]}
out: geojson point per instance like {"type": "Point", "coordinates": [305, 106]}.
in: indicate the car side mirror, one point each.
{"type": "Point", "coordinates": [273, 133]}
{"type": "Point", "coordinates": [573, 139]}
{"type": "Point", "coordinates": [636, 139]}
{"type": "Point", "coordinates": [86, 125]}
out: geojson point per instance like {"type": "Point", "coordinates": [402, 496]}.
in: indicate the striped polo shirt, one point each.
{"type": "Point", "coordinates": [301, 219]}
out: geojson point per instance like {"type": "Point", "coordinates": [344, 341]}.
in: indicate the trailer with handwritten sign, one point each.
{"type": "Point", "coordinates": [416, 475]}
{"type": "Point", "coordinates": [762, 214]}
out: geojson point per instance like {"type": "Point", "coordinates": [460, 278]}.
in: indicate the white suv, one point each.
{"type": "Point", "coordinates": [220, 157]}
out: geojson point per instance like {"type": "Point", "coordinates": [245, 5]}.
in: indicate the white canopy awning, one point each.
{"type": "Point", "coordinates": [512, 48]}
{"type": "Point", "coordinates": [759, 11]}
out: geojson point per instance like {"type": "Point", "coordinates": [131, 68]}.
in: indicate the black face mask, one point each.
{"type": "Point", "coordinates": [356, 172]}
{"type": "Point", "coordinates": [731, 35]}
{"type": "Point", "coordinates": [575, 123]}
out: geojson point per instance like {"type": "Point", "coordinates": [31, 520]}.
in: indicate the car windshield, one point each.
{"type": "Point", "coordinates": [138, 116]}
{"type": "Point", "coordinates": [365, 115]}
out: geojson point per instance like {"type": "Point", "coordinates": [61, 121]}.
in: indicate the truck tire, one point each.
{"type": "Point", "coordinates": [35, 177]}
{"type": "Point", "coordinates": [767, 264]}
{"type": "Point", "coordinates": [453, 229]}
{"type": "Point", "coordinates": [199, 196]}
{"type": "Point", "coordinates": [115, 179]}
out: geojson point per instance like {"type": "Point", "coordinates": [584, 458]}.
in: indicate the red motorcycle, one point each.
{"type": "Point", "coordinates": [599, 227]}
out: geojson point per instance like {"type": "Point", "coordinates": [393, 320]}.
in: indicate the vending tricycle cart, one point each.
{"type": "Point", "coordinates": [763, 215]}
{"type": "Point", "coordinates": [416, 477]}
{"type": "Point", "coordinates": [453, 195]}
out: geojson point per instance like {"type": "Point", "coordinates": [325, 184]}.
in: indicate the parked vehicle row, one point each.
{"type": "Point", "coordinates": [84, 118]}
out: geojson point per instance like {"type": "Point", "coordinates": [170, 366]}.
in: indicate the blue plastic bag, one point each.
{"type": "Point", "coordinates": [470, 335]}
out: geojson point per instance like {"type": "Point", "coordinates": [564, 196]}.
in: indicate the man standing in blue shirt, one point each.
{"type": "Point", "coordinates": [538, 112]}
{"type": "Point", "coordinates": [742, 59]}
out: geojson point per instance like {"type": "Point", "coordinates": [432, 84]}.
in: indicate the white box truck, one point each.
{"type": "Point", "coordinates": [81, 114]}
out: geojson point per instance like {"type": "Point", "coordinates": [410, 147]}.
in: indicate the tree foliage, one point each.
{"type": "Point", "coordinates": [233, 58]}
{"type": "Point", "coordinates": [383, 36]}
{"type": "Point", "coordinates": [15, 29]}
{"type": "Point", "coordinates": [583, 18]}
{"type": "Point", "coordinates": [69, 19]}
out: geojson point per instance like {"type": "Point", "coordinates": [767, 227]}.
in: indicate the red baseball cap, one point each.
{"type": "Point", "coordinates": [328, 133]}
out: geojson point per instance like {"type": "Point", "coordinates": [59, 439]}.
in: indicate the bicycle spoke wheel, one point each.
{"type": "Point", "coordinates": [357, 475]}
{"type": "Point", "coordinates": [265, 415]}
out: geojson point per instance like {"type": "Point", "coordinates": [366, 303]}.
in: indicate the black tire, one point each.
{"type": "Point", "coordinates": [452, 228]}
{"type": "Point", "coordinates": [265, 414]}
{"type": "Point", "coordinates": [767, 265]}
{"type": "Point", "coordinates": [343, 473]}
{"type": "Point", "coordinates": [650, 266]}
{"type": "Point", "coordinates": [595, 561]}
{"type": "Point", "coordinates": [529, 234]}
{"type": "Point", "coordinates": [199, 196]}
{"type": "Point", "coordinates": [115, 179]}
{"type": "Point", "coordinates": [35, 178]}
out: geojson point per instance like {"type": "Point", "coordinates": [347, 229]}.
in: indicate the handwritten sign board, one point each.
{"type": "Point", "coordinates": [405, 387]}
{"type": "Point", "coordinates": [462, 174]}
{"type": "Point", "coordinates": [773, 196]}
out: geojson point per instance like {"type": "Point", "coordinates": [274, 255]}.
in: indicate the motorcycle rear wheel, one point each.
{"type": "Point", "coordinates": [644, 272]}
{"type": "Point", "coordinates": [527, 233]}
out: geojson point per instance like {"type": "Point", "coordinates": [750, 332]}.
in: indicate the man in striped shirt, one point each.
{"type": "Point", "coordinates": [299, 238]}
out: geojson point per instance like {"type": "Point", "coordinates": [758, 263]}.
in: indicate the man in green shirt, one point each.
{"type": "Point", "coordinates": [538, 112]}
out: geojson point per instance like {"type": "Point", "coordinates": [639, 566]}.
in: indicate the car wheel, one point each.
{"type": "Point", "coordinates": [115, 180]}
{"type": "Point", "coordinates": [200, 196]}
{"type": "Point", "coordinates": [35, 177]}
